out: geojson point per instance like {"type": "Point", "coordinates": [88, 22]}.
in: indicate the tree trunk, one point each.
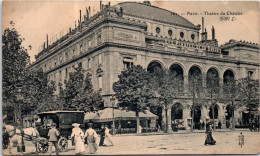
{"type": "Point", "coordinates": [192, 121]}
{"type": "Point", "coordinates": [233, 120]}
{"type": "Point", "coordinates": [213, 115]}
{"type": "Point", "coordinates": [137, 123]}
{"type": "Point", "coordinates": [166, 116]}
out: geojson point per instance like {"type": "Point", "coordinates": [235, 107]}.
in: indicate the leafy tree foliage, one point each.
{"type": "Point", "coordinates": [196, 92]}
{"type": "Point", "coordinates": [132, 90]}
{"type": "Point", "coordinates": [15, 61]}
{"type": "Point", "coordinates": [230, 96]}
{"type": "Point", "coordinates": [78, 93]}
{"type": "Point", "coordinates": [38, 92]}
{"type": "Point", "coordinates": [249, 93]}
{"type": "Point", "coordinates": [165, 85]}
{"type": "Point", "coordinates": [213, 92]}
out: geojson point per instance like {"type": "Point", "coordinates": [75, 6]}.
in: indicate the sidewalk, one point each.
{"type": "Point", "coordinates": [182, 132]}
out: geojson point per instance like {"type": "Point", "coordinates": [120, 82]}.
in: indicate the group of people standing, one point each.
{"type": "Point", "coordinates": [79, 138]}
{"type": "Point", "coordinates": [90, 137]}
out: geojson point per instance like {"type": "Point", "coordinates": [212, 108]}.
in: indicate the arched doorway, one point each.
{"type": "Point", "coordinates": [216, 108]}
{"type": "Point", "coordinates": [153, 66]}
{"type": "Point", "coordinates": [176, 115]}
{"type": "Point", "coordinates": [177, 72]}
{"type": "Point", "coordinates": [228, 115]}
{"type": "Point", "coordinates": [197, 116]}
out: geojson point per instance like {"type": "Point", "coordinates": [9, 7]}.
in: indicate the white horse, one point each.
{"type": "Point", "coordinates": [15, 136]}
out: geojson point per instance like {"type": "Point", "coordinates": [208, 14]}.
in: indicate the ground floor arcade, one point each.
{"type": "Point", "coordinates": [180, 113]}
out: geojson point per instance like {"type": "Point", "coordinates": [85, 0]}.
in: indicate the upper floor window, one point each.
{"type": "Point", "coordinates": [60, 58]}
{"type": "Point", "coordinates": [60, 76]}
{"type": "Point", "coordinates": [170, 32]}
{"type": "Point", "coordinates": [192, 36]}
{"type": "Point", "coordinates": [158, 30]}
{"type": "Point", "coordinates": [181, 34]}
{"type": "Point", "coordinates": [80, 49]}
{"type": "Point", "coordinates": [49, 65]}
{"type": "Point", "coordinates": [250, 74]}
{"type": "Point", "coordinates": [66, 73]}
{"type": "Point", "coordinates": [55, 62]}
{"type": "Point", "coordinates": [74, 52]}
{"type": "Point", "coordinates": [89, 63]}
{"type": "Point", "coordinates": [99, 38]}
{"type": "Point", "coordinates": [89, 43]}
{"type": "Point", "coordinates": [128, 63]}
{"type": "Point", "coordinates": [66, 56]}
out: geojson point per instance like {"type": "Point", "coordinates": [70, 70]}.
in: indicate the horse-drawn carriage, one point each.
{"type": "Point", "coordinates": [64, 121]}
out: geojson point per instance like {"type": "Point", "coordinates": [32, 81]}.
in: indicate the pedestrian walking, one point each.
{"type": "Point", "coordinates": [53, 138]}
{"type": "Point", "coordinates": [241, 139]}
{"type": "Point", "coordinates": [102, 135]}
{"type": "Point", "coordinates": [108, 136]}
{"type": "Point", "coordinates": [91, 136]}
{"type": "Point", "coordinates": [209, 139]}
{"type": "Point", "coordinates": [78, 137]}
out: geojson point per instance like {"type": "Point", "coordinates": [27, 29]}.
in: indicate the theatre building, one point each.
{"type": "Point", "coordinates": [131, 33]}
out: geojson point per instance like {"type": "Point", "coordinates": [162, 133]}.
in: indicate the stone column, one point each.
{"type": "Point", "coordinates": [169, 120]}
{"type": "Point", "coordinates": [186, 84]}
{"type": "Point", "coordinates": [223, 121]}
{"type": "Point", "coordinates": [204, 80]}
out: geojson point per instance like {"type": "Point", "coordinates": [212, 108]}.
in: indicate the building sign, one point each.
{"type": "Point", "coordinates": [129, 36]}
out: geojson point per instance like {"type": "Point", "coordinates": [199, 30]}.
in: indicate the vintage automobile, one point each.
{"type": "Point", "coordinates": [64, 121]}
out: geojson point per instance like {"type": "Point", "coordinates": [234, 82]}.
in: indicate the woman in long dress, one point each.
{"type": "Point", "coordinates": [78, 135]}
{"type": "Point", "coordinates": [91, 136]}
{"type": "Point", "coordinates": [209, 139]}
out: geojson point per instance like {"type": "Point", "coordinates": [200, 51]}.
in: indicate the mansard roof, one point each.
{"type": "Point", "coordinates": [154, 13]}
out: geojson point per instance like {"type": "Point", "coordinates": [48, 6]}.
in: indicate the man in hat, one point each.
{"type": "Point", "coordinates": [53, 138]}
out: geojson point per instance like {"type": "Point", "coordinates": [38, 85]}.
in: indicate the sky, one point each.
{"type": "Point", "coordinates": [35, 19]}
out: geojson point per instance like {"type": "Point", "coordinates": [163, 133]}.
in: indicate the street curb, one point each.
{"type": "Point", "coordinates": [180, 132]}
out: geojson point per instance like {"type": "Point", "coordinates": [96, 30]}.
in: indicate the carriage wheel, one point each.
{"type": "Point", "coordinates": [43, 148]}
{"type": "Point", "coordinates": [62, 144]}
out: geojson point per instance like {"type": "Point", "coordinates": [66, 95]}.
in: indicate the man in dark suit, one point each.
{"type": "Point", "coordinates": [102, 135]}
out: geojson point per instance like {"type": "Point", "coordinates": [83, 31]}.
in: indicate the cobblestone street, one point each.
{"type": "Point", "coordinates": [176, 143]}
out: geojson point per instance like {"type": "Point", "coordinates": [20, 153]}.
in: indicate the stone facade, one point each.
{"type": "Point", "coordinates": [130, 33]}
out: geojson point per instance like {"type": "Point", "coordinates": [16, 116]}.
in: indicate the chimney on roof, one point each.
{"type": "Point", "coordinates": [206, 34]}
{"type": "Point", "coordinates": [204, 31]}
{"type": "Point", "coordinates": [87, 14]}
{"type": "Point", "coordinates": [47, 42]}
{"type": "Point", "coordinates": [89, 11]}
{"type": "Point", "coordinates": [202, 24]}
{"type": "Point", "coordinates": [213, 33]}
{"type": "Point", "coordinates": [108, 3]}
{"type": "Point", "coordinates": [80, 16]}
{"type": "Point", "coordinates": [100, 5]}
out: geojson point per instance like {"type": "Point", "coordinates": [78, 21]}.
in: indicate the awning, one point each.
{"type": "Point", "coordinates": [106, 115]}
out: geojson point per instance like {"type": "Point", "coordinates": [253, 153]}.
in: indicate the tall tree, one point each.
{"type": "Point", "coordinates": [249, 93]}
{"type": "Point", "coordinates": [212, 92]}
{"type": "Point", "coordinates": [78, 93]}
{"type": "Point", "coordinates": [132, 91]}
{"type": "Point", "coordinates": [165, 85]}
{"type": "Point", "coordinates": [15, 61]}
{"type": "Point", "coordinates": [230, 97]}
{"type": "Point", "coordinates": [38, 92]}
{"type": "Point", "coordinates": [196, 91]}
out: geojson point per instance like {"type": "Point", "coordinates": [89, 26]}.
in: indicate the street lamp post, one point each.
{"type": "Point", "coordinates": [113, 113]}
